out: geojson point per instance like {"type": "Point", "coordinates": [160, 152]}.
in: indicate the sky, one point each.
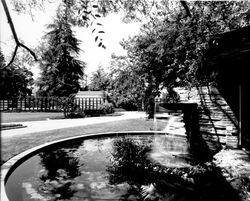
{"type": "Point", "coordinates": [30, 31]}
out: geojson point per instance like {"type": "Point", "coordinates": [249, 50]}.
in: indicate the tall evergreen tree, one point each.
{"type": "Point", "coordinates": [61, 70]}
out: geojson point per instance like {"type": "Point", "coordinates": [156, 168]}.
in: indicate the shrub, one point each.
{"type": "Point", "coordinates": [75, 112]}
{"type": "Point", "coordinates": [107, 108]}
{"type": "Point", "coordinates": [70, 108]}
{"type": "Point", "coordinates": [128, 104]}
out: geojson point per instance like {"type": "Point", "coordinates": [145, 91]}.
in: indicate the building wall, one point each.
{"type": "Point", "coordinates": [218, 124]}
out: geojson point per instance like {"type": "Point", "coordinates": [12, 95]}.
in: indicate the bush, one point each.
{"type": "Point", "coordinates": [75, 112]}
{"type": "Point", "coordinates": [70, 108]}
{"type": "Point", "coordinates": [107, 108]}
{"type": "Point", "coordinates": [129, 105]}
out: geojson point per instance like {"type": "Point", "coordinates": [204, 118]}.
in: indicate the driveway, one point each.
{"type": "Point", "coordinates": [52, 124]}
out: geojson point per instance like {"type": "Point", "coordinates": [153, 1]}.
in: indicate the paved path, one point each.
{"type": "Point", "coordinates": [39, 126]}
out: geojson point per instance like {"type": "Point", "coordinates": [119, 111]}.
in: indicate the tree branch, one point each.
{"type": "Point", "coordinates": [28, 49]}
{"type": "Point", "coordinates": [12, 59]}
{"type": "Point", "coordinates": [184, 4]}
{"type": "Point", "coordinates": [18, 44]}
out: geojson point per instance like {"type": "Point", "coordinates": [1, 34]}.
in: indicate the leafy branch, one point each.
{"type": "Point", "coordinates": [85, 15]}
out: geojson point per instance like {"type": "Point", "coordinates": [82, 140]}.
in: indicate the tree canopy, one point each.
{"type": "Point", "coordinates": [15, 80]}
{"type": "Point", "coordinates": [126, 86]}
{"type": "Point", "coordinates": [169, 50]}
{"type": "Point", "coordinates": [99, 80]}
{"type": "Point", "coordinates": [85, 13]}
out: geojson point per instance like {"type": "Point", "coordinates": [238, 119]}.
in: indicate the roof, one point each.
{"type": "Point", "coordinates": [90, 94]}
{"type": "Point", "coordinates": [230, 52]}
{"type": "Point", "coordinates": [230, 44]}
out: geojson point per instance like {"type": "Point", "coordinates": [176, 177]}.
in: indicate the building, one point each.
{"type": "Point", "coordinates": [90, 94]}
{"type": "Point", "coordinates": [229, 54]}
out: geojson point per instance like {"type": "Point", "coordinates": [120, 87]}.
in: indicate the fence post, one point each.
{"type": "Point", "coordinates": [46, 103]}
{"type": "Point", "coordinates": [2, 105]}
{"type": "Point", "coordinates": [6, 103]}
{"type": "Point", "coordinates": [41, 103]}
{"type": "Point", "coordinates": [29, 103]}
{"type": "Point", "coordinates": [24, 103]}
{"type": "Point", "coordinates": [75, 101]}
{"type": "Point", "coordinates": [78, 102]}
{"type": "Point", "coordinates": [20, 105]}
{"type": "Point", "coordinates": [53, 104]}
{"type": "Point", "coordinates": [34, 104]}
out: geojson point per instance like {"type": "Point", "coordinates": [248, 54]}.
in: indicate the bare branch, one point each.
{"type": "Point", "coordinates": [9, 20]}
{"type": "Point", "coordinates": [29, 50]}
{"type": "Point", "coordinates": [18, 44]}
{"type": "Point", "coordinates": [184, 4]}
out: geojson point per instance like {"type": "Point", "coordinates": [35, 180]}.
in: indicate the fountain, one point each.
{"type": "Point", "coordinates": [151, 165]}
{"type": "Point", "coordinates": [90, 167]}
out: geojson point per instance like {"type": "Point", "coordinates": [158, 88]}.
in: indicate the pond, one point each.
{"type": "Point", "coordinates": [129, 167]}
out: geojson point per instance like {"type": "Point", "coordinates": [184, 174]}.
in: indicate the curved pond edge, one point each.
{"type": "Point", "coordinates": [8, 167]}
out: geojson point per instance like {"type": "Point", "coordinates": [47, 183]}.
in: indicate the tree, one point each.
{"type": "Point", "coordinates": [127, 87]}
{"type": "Point", "coordinates": [99, 80]}
{"type": "Point", "coordinates": [85, 13]}
{"type": "Point", "coordinates": [60, 168]}
{"type": "Point", "coordinates": [169, 49]}
{"type": "Point", "coordinates": [15, 80]}
{"type": "Point", "coordinates": [61, 70]}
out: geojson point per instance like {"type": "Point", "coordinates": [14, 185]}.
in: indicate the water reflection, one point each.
{"type": "Point", "coordinates": [130, 163]}
{"type": "Point", "coordinates": [122, 168]}
{"type": "Point", "coordinates": [60, 168]}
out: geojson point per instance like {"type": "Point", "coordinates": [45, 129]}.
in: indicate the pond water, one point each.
{"type": "Point", "coordinates": [135, 167]}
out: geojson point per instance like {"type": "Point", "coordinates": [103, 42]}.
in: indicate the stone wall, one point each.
{"type": "Point", "coordinates": [218, 124]}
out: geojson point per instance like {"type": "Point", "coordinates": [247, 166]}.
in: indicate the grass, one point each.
{"type": "Point", "coordinates": [15, 145]}
{"type": "Point", "coordinates": [11, 117]}
{"type": "Point", "coordinates": [7, 117]}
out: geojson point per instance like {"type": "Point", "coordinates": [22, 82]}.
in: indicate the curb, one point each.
{"type": "Point", "coordinates": [8, 167]}
{"type": "Point", "coordinates": [12, 127]}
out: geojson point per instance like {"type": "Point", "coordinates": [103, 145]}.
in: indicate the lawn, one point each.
{"type": "Point", "coordinates": [15, 145]}
{"type": "Point", "coordinates": [7, 117]}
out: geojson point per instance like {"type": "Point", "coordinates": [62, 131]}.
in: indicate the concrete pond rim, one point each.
{"type": "Point", "coordinates": [9, 166]}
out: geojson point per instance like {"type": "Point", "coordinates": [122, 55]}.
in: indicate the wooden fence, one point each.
{"type": "Point", "coordinates": [48, 104]}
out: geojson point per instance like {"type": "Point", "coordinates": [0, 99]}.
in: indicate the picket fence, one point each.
{"type": "Point", "coordinates": [47, 104]}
